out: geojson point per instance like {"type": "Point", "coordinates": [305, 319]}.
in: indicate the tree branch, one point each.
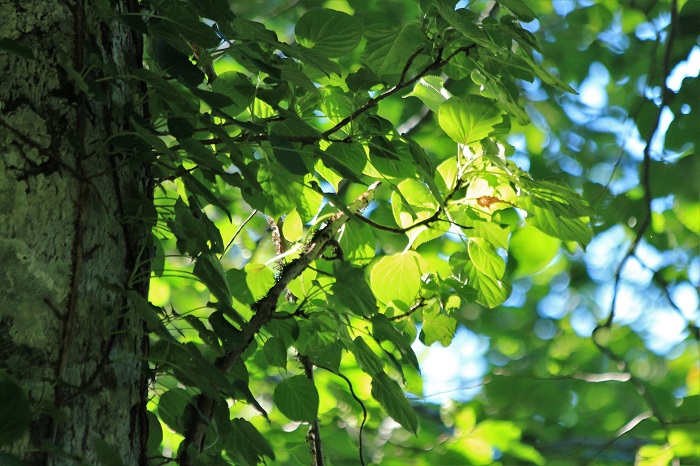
{"type": "Point", "coordinates": [436, 64]}
{"type": "Point", "coordinates": [200, 413]}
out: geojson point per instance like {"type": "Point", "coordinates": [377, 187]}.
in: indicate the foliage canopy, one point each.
{"type": "Point", "coordinates": [337, 181]}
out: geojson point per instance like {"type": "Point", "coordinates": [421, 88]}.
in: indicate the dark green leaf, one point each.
{"type": "Point", "coordinates": [519, 9]}
{"type": "Point", "coordinates": [275, 352]}
{"type": "Point", "coordinates": [389, 394]}
{"type": "Point", "coordinates": [329, 32]}
{"type": "Point", "coordinates": [13, 46]}
{"type": "Point", "coordinates": [388, 49]}
{"type": "Point", "coordinates": [208, 269]}
{"type": "Point", "coordinates": [155, 433]}
{"type": "Point", "coordinates": [247, 444]}
{"type": "Point", "coordinates": [171, 407]}
{"type": "Point", "coordinates": [14, 410]}
{"type": "Point", "coordinates": [369, 362]}
{"type": "Point", "coordinates": [351, 289]}
{"type": "Point", "coordinates": [383, 330]}
{"type": "Point", "coordinates": [297, 398]}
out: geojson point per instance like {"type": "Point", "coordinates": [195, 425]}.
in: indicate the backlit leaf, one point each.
{"type": "Point", "coordinates": [397, 277]}
{"type": "Point", "coordinates": [470, 119]}
{"type": "Point", "coordinates": [533, 250]}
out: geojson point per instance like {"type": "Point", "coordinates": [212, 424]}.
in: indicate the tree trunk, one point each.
{"type": "Point", "coordinates": [72, 342]}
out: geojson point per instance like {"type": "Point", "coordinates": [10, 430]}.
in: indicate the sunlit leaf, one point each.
{"type": "Point", "coordinates": [397, 277]}
{"type": "Point", "coordinates": [469, 119]}
{"type": "Point", "coordinates": [533, 250]}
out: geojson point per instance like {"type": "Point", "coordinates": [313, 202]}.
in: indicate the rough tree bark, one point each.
{"type": "Point", "coordinates": [67, 232]}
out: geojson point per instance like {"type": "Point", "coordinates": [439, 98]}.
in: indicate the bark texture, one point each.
{"type": "Point", "coordinates": [68, 231]}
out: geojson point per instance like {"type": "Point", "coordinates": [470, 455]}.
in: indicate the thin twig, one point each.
{"type": "Point", "coordinates": [436, 64]}
{"type": "Point", "coordinates": [362, 405]}
{"type": "Point", "coordinates": [238, 231]}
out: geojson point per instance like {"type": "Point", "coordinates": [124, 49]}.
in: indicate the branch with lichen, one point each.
{"type": "Point", "coordinates": [200, 412]}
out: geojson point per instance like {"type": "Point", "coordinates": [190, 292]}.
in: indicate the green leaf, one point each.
{"type": "Point", "coordinates": [361, 80]}
{"type": "Point", "coordinates": [280, 191]}
{"type": "Point", "coordinates": [206, 335]}
{"type": "Point", "coordinates": [293, 227]}
{"type": "Point", "coordinates": [288, 155]}
{"type": "Point", "coordinates": [194, 186]}
{"type": "Point", "coordinates": [437, 327]}
{"type": "Point", "coordinates": [321, 350]}
{"type": "Point", "coordinates": [201, 154]}
{"type": "Point", "coordinates": [13, 46]}
{"type": "Point", "coordinates": [297, 398]}
{"type": "Point", "coordinates": [491, 291]}
{"type": "Point", "coordinates": [519, 9]}
{"type": "Point", "coordinates": [259, 280]}
{"type": "Point", "coordinates": [397, 277]}
{"type": "Point", "coordinates": [155, 433]}
{"type": "Point", "coordinates": [389, 394]}
{"type": "Point", "coordinates": [208, 269]}
{"type": "Point", "coordinates": [357, 243]}
{"type": "Point", "coordinates": [485, 258]}
{"type": "Point", "coordinates": [237, 88]}
{"type": "Point", "coordinates": [533, 250]}
{"type": "Point", "coordinates": [470, 119]}
{"type": "Point", "coordinates": [246, 443]}
{"type": "Point", "coordinates": [230, 336]}
{"type": "Point", "coordinates": [286, 329]}
{"type": "Point", "coordinates": [558, 226]}
{"type": "Point", "coordinates": [171, 408]}
{"type": "Point", "coordinates": [384, 330]}
{"type": "Point", "coordinates": [547, 77]}
{"type": "Point", "coordinates": [217, 10]}
{"type": "Point", "coordinates": [187, 25]}
{"type": "Point", "coordinates": [15, 413]}
{"type": "Point", "coordinates": [346, 160]}
{"type": "Point", "coordinates": [388, 49]}
{"type": "Point", "coordinates": [329, 32]}
{"type": "Point", "coordinates": [275, 352]}
{"type": "Point", "coordinates": [431, 91]}
{"type": "Point", "coordinates": [312, 58]}
{"type": "Point", "coordinates": [464, 21]}
{"type": "Point", "coordinates": [413, 202]}
{"type": "Point", "coordinates": [351, 289]}
{"type": "Point", "coordinates": [369, 362]}
{"type": "Point", "coordinates": [145, 310]}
